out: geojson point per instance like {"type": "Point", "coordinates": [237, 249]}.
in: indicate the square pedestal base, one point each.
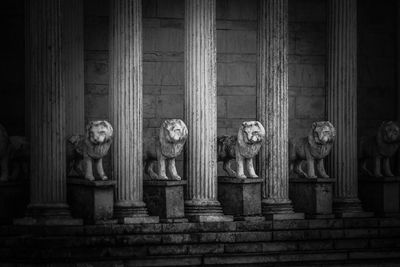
{"type": "Point", "coordinates": [93, 201]}
{"type": "Point", "coordinates": [380, 195]}
{"type": "Point", "coordinates": [240, 198]}
{"type": "Point", "coordinates": [284, 216]}
{"type": "Point", "coordinates": [164, 198]}
{"type": "Point", "coordinates": [14, 198]}
{"type": "Point", "coordinates": [312, 196]}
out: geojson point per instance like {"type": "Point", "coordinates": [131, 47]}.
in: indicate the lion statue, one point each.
{"type": "Point", "coordinates": [243, 147]}
{"type": "Point", "coordinates": [4, 154]}
{"type": "Point", "coordinates": [166, 147]}
{"type": "Point", "coordinates": [19, 157]}
{"type": "Point", "coordinates": [83, 150]}
{"type": "Point", "coordinates": [382, 146]}
{"type": "Point", "coordinates": [315, 147]}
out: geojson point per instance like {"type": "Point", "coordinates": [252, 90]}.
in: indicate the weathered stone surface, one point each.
{"type": "Point", "coordinates": [91, 200]}
{"type": "Point", "coordinates": [14, 197]}
{"type": "Point", "coordinates": [165, 199]}
{"type": "Point", "coordinates": [312, 196]}
{"type": "Point", "coordinates": [380, 195]}
{"type": "Point", "coordinates": [240, 197]}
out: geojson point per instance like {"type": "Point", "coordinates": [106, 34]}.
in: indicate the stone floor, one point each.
{"type": "Point", "coordinates": [334, 242]}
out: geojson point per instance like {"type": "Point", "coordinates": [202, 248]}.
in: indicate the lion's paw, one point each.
{"type": "Point", "coordinates": [177, 178]}
{"type": "Point", "coordinates": [90, 178]}
{"type": "Point", "coordinates": [162, 177]}
{"type": "Point", "coordinates": [241, 176]}
{"type": "Point", "coordinates": [104, 177]}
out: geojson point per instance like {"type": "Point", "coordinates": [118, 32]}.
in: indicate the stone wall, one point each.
{"type": "Point", "coordinates": [236, 46]}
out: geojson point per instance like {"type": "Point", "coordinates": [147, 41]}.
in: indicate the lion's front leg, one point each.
{"type": "Point", "coordinates": [386, 167]}
{"type": "Point", "coordinates": [149, 169]}
{"type": "Point", "coordinates": [321, 169]}
{"type": "Point", "coordinates": [88, 169]}
{"type": "Point", "coordinates": [172, 170]}
{"type": "Point", "coordinates": [100, 170]}
{"type": "Point", "coordinates": [162, 174]}
{"type": "Point", "coordinates": [310, 168]}
{"type": "Point", "coordinates": [4, 169]}
{"type": "Point", "coordinates": [240, 168]}
{"type": "Point", "coordinates": [377, 167]}
{"type": "Point", "coordinates": [250, 168]}
{"type": "Point", "coordinates": [228, 169]}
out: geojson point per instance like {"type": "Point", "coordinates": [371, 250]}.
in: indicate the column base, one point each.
{"type": "Point", "coordinates": [164, 198]}
{"type": "Point", "coordinates": [312, 196]}
{"type": "Point", "coordinates": [205, 211]}
{"type": "Point", "coordinates": [133, 213]}
{"type": "Point", "coordinates": [349, 208]}
{"type": "Point", "coordinates": [280, 210]}
{"type": "Point", "coordinates": [380, 195]}
{"type": "Point", "coordinates": [48, 214]}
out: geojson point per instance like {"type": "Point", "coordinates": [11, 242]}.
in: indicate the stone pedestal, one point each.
{"type": "Point", "coordinates": [380, 195]}
{"type": "Point", "coordinates": [241, 198]}
{"type": "Point", "coordinates": [312, 196]}
{"type": "Point", "coordinates": [14, 196]}
{"type": "Point", "coordinates": [164, 198]}
{"type": "Point", "coordinates": [93, 201]}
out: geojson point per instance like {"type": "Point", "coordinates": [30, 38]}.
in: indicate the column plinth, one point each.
{"type": "Point", "coordinates": [126, 110]}
{"type": "Point", "coordinates": [201, 112]}
{"type": "Point", "coordinates": [342, 104]}
{"type": "Point", "coordinates": [47, 117]}
{"type": "Point", "coordinates": [272, 108]}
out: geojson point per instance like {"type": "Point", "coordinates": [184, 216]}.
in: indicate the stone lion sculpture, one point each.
{"type": "Point", "coordinates": [380, 147]}
{"type": "Point", "coordinates": [82, 150]}
{"type": "Point", "coordinates": [313, 148]}
{"type": "Point", "coordinates": [166, 147]}
{"type": "Point", "coordinates": [4, 153]}
{"type": "Point", "coordinates": [243, 147]}
{"type": "Point", "coordinates": [19, 156]}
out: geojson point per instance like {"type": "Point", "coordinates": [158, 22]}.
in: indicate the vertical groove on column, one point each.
{"type": "Point", "coordinates": [342, 94]}
{"type": "Point", "coordinates": [126, 105]}
{"type": "Point", "coordinates": [200, 106]}
{"type": "Point", "coordinates": [47, 104]}
{"type": "Point", "coordinates": [73, 67]}
{"type": "Point", "coordinates": [272, 101]}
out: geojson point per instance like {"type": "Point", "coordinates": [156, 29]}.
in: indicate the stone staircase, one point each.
{"type": "Point", "coordinates": [330, 242]}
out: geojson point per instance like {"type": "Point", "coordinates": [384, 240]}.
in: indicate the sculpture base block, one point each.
{"type": "Point", "coordinates": [349, 208]}
{"type": "Point", "coordinates": [380, 195]}
{"type": "Point", "coordinates": [93, 201]}
{"type": "Point", "coordinates": [273, 209]}
{"type": "Point", "coordinates": [164, 198]}
{"type": "Point", "coordinates": [312, 196]}
{"type": "Point", "coordinates": [240, 198]}
{"type": "Point", "coordinates": [14, 197]}
{"type": "Point", "coordinates": [210, 218]}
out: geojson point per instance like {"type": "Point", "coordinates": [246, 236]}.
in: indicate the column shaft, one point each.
{"type": "Point", "coordinates": [200, 108]}
{"type": "Point", "coordinates": [272, 104]}
{"type": "Point", "coordinates": [73, 67]}
{"type": "Point", "coordinates": [47, 114]}
{"type": "Point", "coordinates": [126, 107]}
{"type": "Point", "coordinates": [342, 101]}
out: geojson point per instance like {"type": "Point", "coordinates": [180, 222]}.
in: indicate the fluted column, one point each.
{"type": "Point", "coordinates": [47, 116]}
{"type": "Point", "coordinates": [126, 109]}
{"type": "Point", "coordinates": [201, 111]}
{"type": "Point", "coordinates": [272, 107]}
{"type": "Point", "coordinates": [342, 103]}
{"type": "Point", "coordinates": [73, 68]}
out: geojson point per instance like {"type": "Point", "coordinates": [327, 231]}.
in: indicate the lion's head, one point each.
{"type": "Point", "coordinates": [252, 132]}
{"type": "Point", "coordinates": [389, 131]}
{"type": "Point", "coordinates": [322, 133]}
{"type": "Point", "coordinates": [174, 131]}
{"type": "Point", "coordinates": [99, 132]}
{"type": "Point", "coordinates": [173, 135]}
